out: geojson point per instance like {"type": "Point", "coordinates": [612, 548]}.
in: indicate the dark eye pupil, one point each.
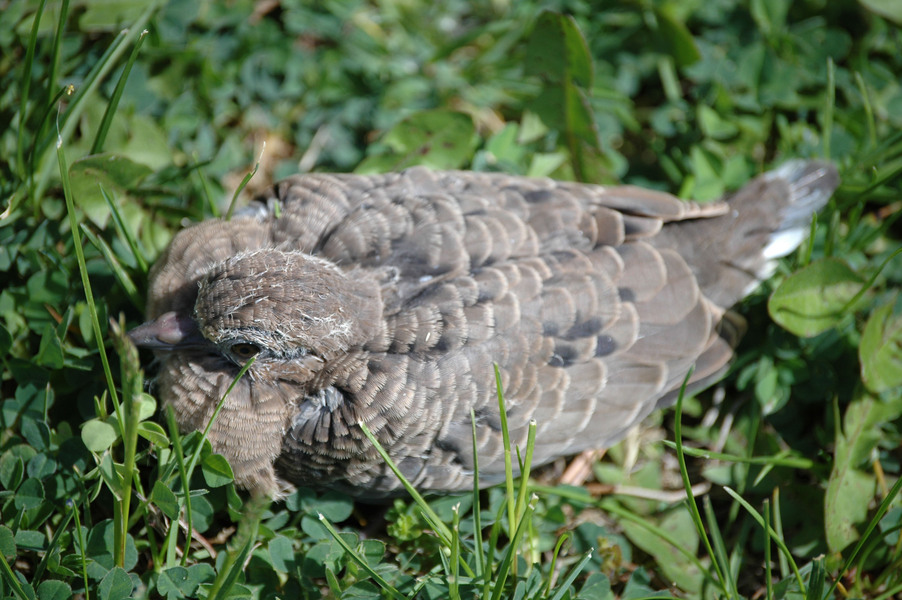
{"type": "Point", "coordinates": [245, 350]}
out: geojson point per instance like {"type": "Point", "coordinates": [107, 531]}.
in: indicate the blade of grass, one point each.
{"type": "Point", "coordinates": [875, 521]}
{"type": "Point", "coordinates": [82, 548]}
{"type": "Point", "coordinates": [12, 581]}
{"type": "Point", "coordinates": [808, 248]}
{"type": "Point", "coordinates": [494, 535]}
{"type": "Point", "coordinates": [453, 583]}
{"type": "Point", "coordinates": [186, 486]}
{"type": "Point", "coordinates": [55, 56]}
{"type": "Point", "coordinates": [477, 509]}
{"type": "Point", "coordinates": [870, 282]}
{"type": "Point", "coordinates": [394, 593]}
{"type": "Point", "coordinates": [554, 556]}
{"type": "Point", "coordinates": [525, 467]}
{"type": "Point", "coordinates": [868, 108]}
{"type": "Point", "coordinates": [768, 576]}
{"type": "Point", "coordinates": [829, 106]}
{"type": "Point", "coordinates": [575, 570]}
{"type": "Point", "coordinates": [776, 460]}
{"type": "Point", "coordinates": [719, 548]}
{"type": "Point", "coordinates": [678, 545]}
{"type": "Point", "coordinates": [235, 559]}
{"type": "Point", "coordinates": [778, 527]}
{"type": "Point", "coordinates": [59, 530]}
{"type": "Point", "coordinates": [690, 499]}
{"type": "Point", "coordinates": [243, 183]}
{"type": "Point", "coordinates": [78, 103]}
{"type": "Point", "coordinates": [816, 579]}
{"type": "Point", "coordinates": [441, 530]}
{"type": "Point", "coordinates": [192, 463]}
{"type": "Point", "coordinates": [770, 532]}
{"type": "Point", "coordinates": [125, 282]}
{"type": "Point", "coordinates": [506, 443]}
{"type": "Point", "coordinates": [85, 282]}
{"type": "Point", "coordinates": [51, 109]}
{"type": "Point", "coordinates": [113, 104]}
{"type": "Point", "coordinates": [214, 210]}
{"type": "Point", "coordinates": [890, 593]}
{"type": "Point", "coordinates": [510, 554]}
{"type": "Point", "coordinates": [123, 232]}
{"type": "Point", "coordinates": [132, 382]}
{"type": "Point", "coordinates": [25, 87]}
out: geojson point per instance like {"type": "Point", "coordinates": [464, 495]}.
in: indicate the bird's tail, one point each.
{"type": "Point", "coordinates": [768, 218]}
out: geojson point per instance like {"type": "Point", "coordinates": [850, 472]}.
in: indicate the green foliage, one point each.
{"type": "Point", "coordinates": [813, 299]}
{"type": "Point", "coordinates": [116, 137]}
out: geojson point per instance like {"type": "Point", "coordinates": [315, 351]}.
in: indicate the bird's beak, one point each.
{"type": "Point", "coordinates": [169, 331]}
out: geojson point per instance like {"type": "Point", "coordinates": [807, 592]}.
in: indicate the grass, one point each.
{"type": "Point", "coordinates": [117, 136]}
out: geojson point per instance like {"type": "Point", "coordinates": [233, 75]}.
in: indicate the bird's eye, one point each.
{"type": "Point", "coordinates": [244, 350]}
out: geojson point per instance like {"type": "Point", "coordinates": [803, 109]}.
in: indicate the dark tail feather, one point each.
{"type": "Point", "coordinates": [770, 217]}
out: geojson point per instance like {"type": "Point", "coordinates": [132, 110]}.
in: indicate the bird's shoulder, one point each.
{"type": "Point", "coordinates": [429, 220]}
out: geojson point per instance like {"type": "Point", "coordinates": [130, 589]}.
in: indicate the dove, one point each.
{"type": "Point", "coordinates": [389, 299]}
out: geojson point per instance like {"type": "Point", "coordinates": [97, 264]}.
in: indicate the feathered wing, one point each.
{"type": "Point", "coordinates": [562, 285]}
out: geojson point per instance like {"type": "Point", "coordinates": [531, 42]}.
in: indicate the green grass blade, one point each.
{"type": "Point", "coordinates": [506, 443]}
{"type": "Point", "coordinates": [454, 583]}
{"type": "Point", "coordinates": [67, 121]}
{"type": "Point", "coordinates": [554, 556]}
{"type": "Point", "coordinates": [205, 186]}
{"type": "Point", "coordinates": [441, 530]}
{"type": "Point", "coordinates": [186, 486]}
{"type": "Point", "coordinates": [77, 105]}
{"type": "Point", "coordinates": [59, 530]}
{"type": "Point", "coordinates": [394, 593]}
{"type": "Point", "coordinates": [124, 234]}
{"type": "Point", "coordinates": [778, 528]}
{"type": "Point", "coordinates": [125, 282]}
{"type": "Point", "coordinates": [770, 532]}
{"type": "Point", "coordinates": [477, 508]}
{"type": "Point", "coordinates": [768, 576]}
{"type": "Point", "coordinates": [234, 563]}
{"type": "Point", "coordinates": [816, 580]}
{"type": "Point", "coordinates": [86, 283]}
{"type": "Point", "coordinates": [25, 87]}
{"type": "Point", "coordinates": [51, 109]}
{"type": "Point", "coordinates": [12, 581]}
{"type": "Point", "coordinates": [82, 548]}
{"type": "Point", "coordinates": [510, 554]}
{"type": "Point", "coordinates": [868, 108]}
{"type": "Point", "coordinates": [678, 545]}
{"type": "Point", "coordinates": [574, 572]}
{"type": "Point", "coordinates": [875, 521]}
{"type": "Point", "coordinates": [195, 457]}
{"type": "Point", "coordinates": [525, 467]}
{"type": "Point", "coordinates": [829, 106]}
{"type": "Point", "coordinates": [690, 499]}
{"type": "Point", "coordinates": [777, 460]}
{"type": "Point", "coordinates": [244, 183]}
{"type": "Point", "coordinates": [55, 52]}
{"type": "Point", "coordinates": [113, 104]}
{"type": "Point", "coordinates": [720, 551]}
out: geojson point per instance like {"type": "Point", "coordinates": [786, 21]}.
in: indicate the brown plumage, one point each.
{"type": "Point", "coordinates": [387, 299]}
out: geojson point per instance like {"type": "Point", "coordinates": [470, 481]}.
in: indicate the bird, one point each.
{"type": "Point", "coordinates": [389, 299]}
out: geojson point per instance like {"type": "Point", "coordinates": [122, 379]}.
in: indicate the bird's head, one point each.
{"type": "Point", "coordinates": [289, 311]}
{"type": "Point", "coordinates": [299, 317]}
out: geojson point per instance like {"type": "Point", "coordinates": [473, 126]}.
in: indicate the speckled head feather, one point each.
{"type": "Point", "coordinates": [387, 299]}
